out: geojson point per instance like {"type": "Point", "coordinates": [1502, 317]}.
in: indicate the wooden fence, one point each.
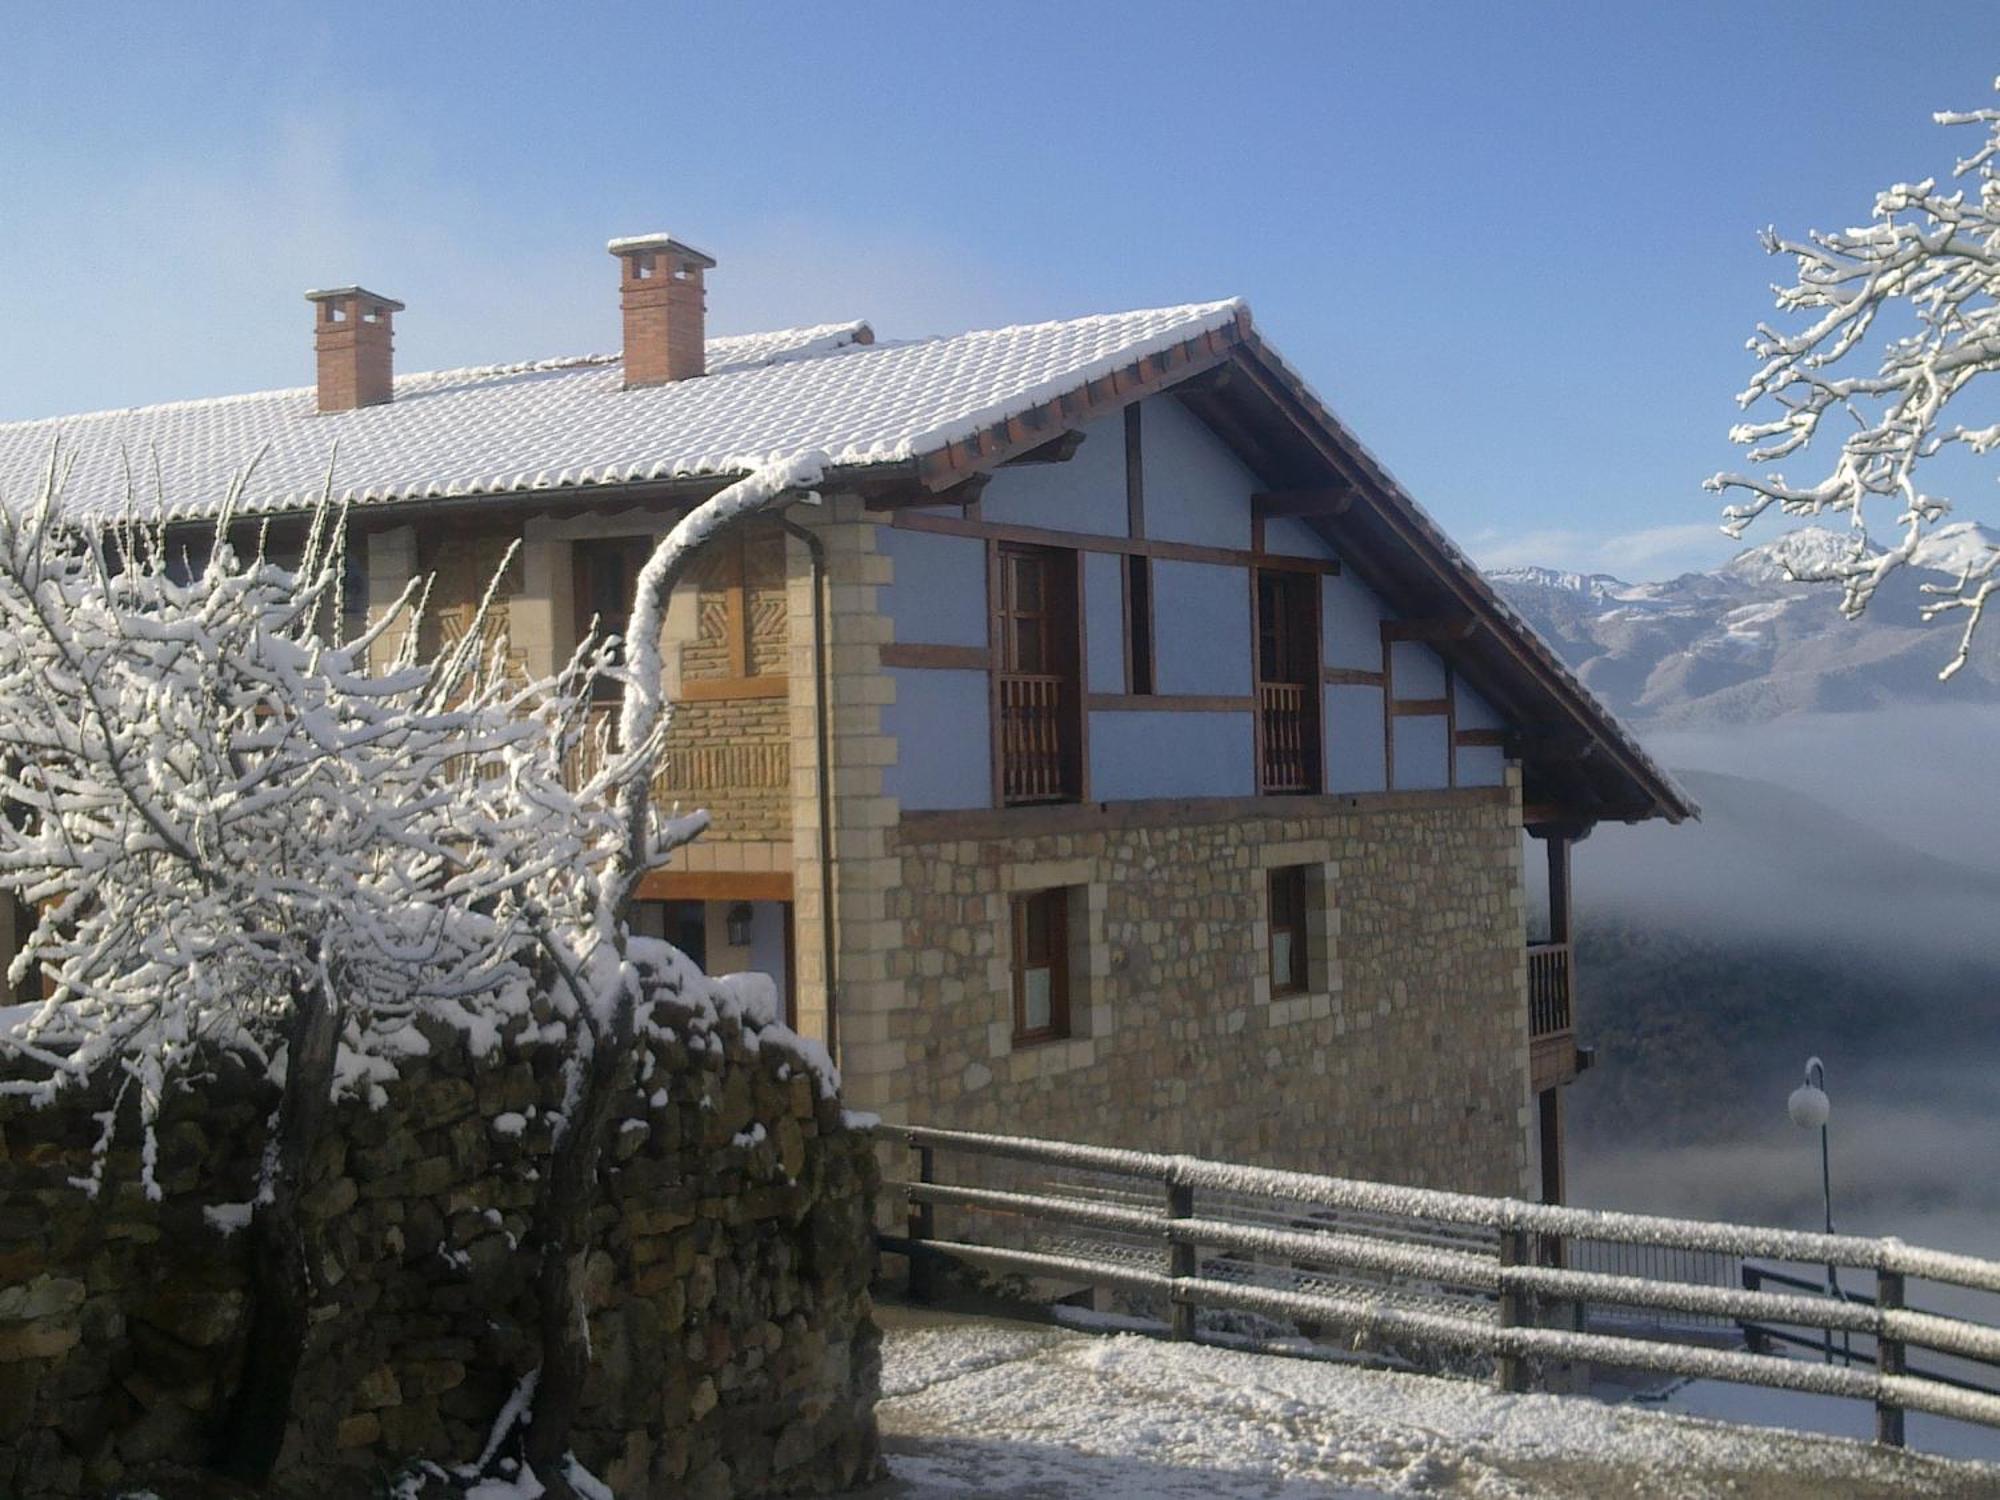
{"type": "Point", "coordinates": [1446, 1272]}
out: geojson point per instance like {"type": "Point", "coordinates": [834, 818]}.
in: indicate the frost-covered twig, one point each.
{"type": "Point", "coordinates": [1920, 286]}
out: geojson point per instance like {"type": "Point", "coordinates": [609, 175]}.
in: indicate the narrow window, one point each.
{"type": "Point", "coordinates": [1041, 966]}
{"type": "Point", "coordinates": [604, 582]}
{"type": "Point", "coordinates": [1288, 930]}
{"type": "Point", "coordinates": [1139, 622]}
{"type": "Point", "coordinates": [353, 593]}
{"type": "Point", "coordinates": [1040, 729]}
{"type": "Point", "coordinates": [1288, 673]}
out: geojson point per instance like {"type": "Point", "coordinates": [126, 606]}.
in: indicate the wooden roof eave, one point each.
{"type": "Point", "coordinates": [1519, 672]}
{"type": "Point", "coordinates": [993, 445]}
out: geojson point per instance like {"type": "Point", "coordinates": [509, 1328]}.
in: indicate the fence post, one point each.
{"type": "Point", "coordinates": [922, 1227]}
{"type": "Point", "coordinates": [1509, 1370]}
{"type": "Point", "coordinates": [1888, 1360]}
{"type": "Point", "coordinates": [1180, 1258]}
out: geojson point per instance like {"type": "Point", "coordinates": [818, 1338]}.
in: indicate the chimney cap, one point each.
{"type": "Point", "coordinates": [661, 242]}
{"type": "Point", "coordinates": [338, 293]}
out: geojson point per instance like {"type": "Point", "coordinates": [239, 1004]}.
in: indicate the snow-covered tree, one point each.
{"type": "Point", "coordinates": [591, 949]}
{"type": "Point", "coordinates": [241, 836]}
{"type": "Point", "coordinates": [1897, 321]}
{"type": "Point", "coordinates": [238, 837]}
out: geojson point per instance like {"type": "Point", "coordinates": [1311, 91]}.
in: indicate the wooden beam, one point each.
{"type": "Point", "coordinates": [1179, 703]}
{"type": "Point", "coordinates": [716, 885]}
{"type": "Point", "coordinates": [1272, 504]}
{"type": "Point", "coordinates": [1437, 629]}
{"type": "Point", "coordinates": [1057, 450]}
{"type": "Point", "coordinates": [1420, 708]}
{"type": "Point", "coordinates": [729, 689]}
{"type": "Point", "coordinates": [1351, 677]}
{"type": "Point", "coordinates": [947, 658]}
{"type": "Point", "coordinates": [1495, 738]}
{"type": "Point", "coordinates": [1135, 474]}
{"type": "Point", "coordinates": [1084, 541]}
{"type": "Point", "coordinates": [1564, 745]}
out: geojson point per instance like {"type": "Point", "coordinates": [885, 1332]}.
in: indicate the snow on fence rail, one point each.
{"type": "Point", "coordinates": [1494, 1261]}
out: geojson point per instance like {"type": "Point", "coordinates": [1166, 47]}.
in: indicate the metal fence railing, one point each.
{"type": "Point", "coordinates": [1496, 1278]}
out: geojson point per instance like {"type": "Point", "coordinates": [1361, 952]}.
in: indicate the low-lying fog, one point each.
{"type": "Point", "coordinates": [1873, 844]}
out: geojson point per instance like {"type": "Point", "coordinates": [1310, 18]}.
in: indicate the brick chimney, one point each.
{"type": "Point", "coordinates": [353, 338]}
{"type": "Point", "coordinates": [666, 314]}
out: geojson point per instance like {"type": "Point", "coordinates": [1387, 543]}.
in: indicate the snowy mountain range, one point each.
{"type": "Point", "coordinates": [1746, 644]}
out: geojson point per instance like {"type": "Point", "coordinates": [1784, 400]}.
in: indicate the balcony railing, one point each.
{"type": "Point", "coordinates": [1289, 738]}
{"type": "Point", "coordinates": [1548, 989]}
{"type": "Point", "coordinates": [1035, 738]}
{"type": "Point", "coordinates": [686, 771]}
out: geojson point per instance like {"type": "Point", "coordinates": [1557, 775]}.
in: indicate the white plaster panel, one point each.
{"type": "Point", "coordinates": [1481, 765]}
{"type": "Point", "coordinates": [1196, 489]}
{"type": "Point", "coordinates": [1085, 494]}
{"type": "Point", "coordinates": [1474, 712]}
{"type": "Point", "coordinates": [943, 750]}
{"type": "Point", "coordinates": [1350, 623]}
{"type": "Point", "coordinates": [1146, 754]}
{"type": "Point", "coordinates": [1201, 628]}
{"type": "Point", "coordinates": [1104, 621]}
{"type": "Point", "coordinates": [1294, 538]}
{"type": "Point", "coordinates": [1422, 752]}
{"type": "Point", "coordinates": [938, 594]}
{"type": "Point", "coordinates": [1418, 671]}
{"type": "Point", "coordinates": [1354, 760]}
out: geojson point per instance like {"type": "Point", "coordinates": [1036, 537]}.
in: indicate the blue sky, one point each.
{"type": "Point", "coordinates": [1515, 245]}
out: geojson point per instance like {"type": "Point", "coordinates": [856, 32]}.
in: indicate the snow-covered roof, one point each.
{"type": "Point", "coordinates": [570, 423]}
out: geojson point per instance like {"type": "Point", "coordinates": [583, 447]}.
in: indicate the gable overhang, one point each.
{"type": "Point", "coordinates": [1580, 766]}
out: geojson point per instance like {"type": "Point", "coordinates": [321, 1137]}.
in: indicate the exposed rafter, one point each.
{"type": "Point", "coordinates": [1271, 504]}
{"type": "Point", "coordinates": [1057, 450]}
{"type": "Point", "coordinates": [1436, 628]}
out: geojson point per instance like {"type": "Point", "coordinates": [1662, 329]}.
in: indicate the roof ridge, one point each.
{"type": "Point", "coordinates": [448, 373]}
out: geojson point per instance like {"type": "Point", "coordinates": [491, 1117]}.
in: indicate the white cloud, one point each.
{"type": "Point", "coordinates": [1648, 547]}
{"type": "Point", "coordinates": [1551, 548]}
{"type": "Point", "coordinates": [1651, 552]}
{"type": "Point", "coordinates": [182, 277]}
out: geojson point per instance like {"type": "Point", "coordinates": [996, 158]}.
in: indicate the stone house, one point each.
{"type": "Point", "coordinates": [1116, 753]}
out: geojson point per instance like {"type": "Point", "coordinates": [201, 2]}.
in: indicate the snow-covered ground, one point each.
{"type": "Point", "coordinates": [991, 1408]}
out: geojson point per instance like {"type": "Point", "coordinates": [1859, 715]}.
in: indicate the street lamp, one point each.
{"type": "Point", "coordinates": [1810, 1108]}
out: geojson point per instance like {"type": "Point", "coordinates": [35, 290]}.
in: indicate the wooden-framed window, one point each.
{"type": "Point", "coordinates": [1288, 681]}
{"type": "Point", "coordinates": [1290, 958]}
{"type": "Point", "coordinates": [1041, 966]}
{"type": "Point", "coordinates": [604, 580]}
{"type": "Point", "coordinates": [1040, 721]}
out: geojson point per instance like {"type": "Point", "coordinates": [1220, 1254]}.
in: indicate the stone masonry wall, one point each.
{"type": "Point", "coordinates": [1404, 1060]}
{"type": "Point", "coordinates": [734, 1351]}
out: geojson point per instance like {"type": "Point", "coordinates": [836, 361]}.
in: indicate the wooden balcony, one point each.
{"type": "Point", "coordinates": [1289, 737]}
{"type": "Point", "coordinates": [1548, 989]}
{"type": "Point", "coordinates": [1038, 738]}
{"type": "Point", "coordinates": [692, 770]}
{"type": "Point", "coordinates": [1552, 1055]}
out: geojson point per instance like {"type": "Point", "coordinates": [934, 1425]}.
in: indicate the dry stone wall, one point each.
{"type": "Point", "coordinates": [734, 1353]}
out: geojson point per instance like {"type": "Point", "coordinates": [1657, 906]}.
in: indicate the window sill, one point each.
{"type": "Point", "coordinates": [1299, 1005]}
